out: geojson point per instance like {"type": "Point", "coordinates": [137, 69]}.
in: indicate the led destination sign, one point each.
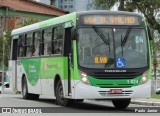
{"type": "Point", "coordinates": [111, 20]}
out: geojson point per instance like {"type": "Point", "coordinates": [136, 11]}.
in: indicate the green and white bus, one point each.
{"type": "Point", "coordinates": [101, 55]}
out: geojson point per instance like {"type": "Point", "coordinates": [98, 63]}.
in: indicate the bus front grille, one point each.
{"type": "Point", "coordinates": [113, 86]}
{"type": "Point", "coordinates": [118, 75]}
{"type": "Point", "coordinates": [124, 93]}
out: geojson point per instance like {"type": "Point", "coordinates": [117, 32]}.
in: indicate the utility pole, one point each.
{"type": "Point", "coordinates": [3, 60]}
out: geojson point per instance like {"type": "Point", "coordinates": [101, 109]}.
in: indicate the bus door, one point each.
{"type": "Point", "coordinates": [68, 54]}
{"type": "Point", "coordinates": [18, 63]}
{"type": "Point", "coordinates": [13, 64]}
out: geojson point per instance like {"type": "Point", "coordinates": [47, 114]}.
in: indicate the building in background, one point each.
{"type": "Point", "coordinates": [13, 12]}
{"type": "Point", "coordinates": [73, 5]}
{"type": "Point", "coordinates": [84, 5]}
{"type": "Point", "coordinates": [70, 5]}
{"type": "Point", "coordinates": [44, 1]}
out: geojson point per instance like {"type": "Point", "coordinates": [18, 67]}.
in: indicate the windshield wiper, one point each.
{"type": "Point", "coordinates": [101, 35]}
{"type": "Point", "coordinates": [126, 36]}
{"type": "Point", "coordinates": [109, 44]}
{"type": "Point", "coordinates": [121, 45]}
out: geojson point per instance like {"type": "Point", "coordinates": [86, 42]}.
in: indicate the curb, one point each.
{"type": "Point", "coordinates": [147, 103]}
{"type": "Point", "coordinates": [8, 91]}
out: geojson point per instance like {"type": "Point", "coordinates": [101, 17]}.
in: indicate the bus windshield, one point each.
{"type": "Point", "coordinates": [109, 48]}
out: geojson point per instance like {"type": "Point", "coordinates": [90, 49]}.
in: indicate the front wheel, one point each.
{"type": "Point", "coordinates": [121, 103]}
{"type": "Point", "coordinates": [25, 93]}
{"type": "Point", "coordinates": [59, 96]}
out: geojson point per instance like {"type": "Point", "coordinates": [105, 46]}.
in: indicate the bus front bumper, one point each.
{"type": "Point", "coordinates": [83, 91]}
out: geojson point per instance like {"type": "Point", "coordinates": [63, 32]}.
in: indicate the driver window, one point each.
{"type": "Point", "coordinates": [86, 44]}
{"type": "Point", "coordinates": [137, 41]}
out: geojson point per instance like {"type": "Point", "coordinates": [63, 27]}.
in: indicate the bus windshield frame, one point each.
{"type": "Point", "coordinates": [108, 36]}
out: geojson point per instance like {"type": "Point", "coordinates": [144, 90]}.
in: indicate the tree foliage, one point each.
{"type": "Point", "coordinates": [150, 8]}
{"type": "Point", "coordinates": [27, 22]}
{"type": "Point", "coordinates": [8, 40]}
{"type": "Point", "coordinates": [7, 47]}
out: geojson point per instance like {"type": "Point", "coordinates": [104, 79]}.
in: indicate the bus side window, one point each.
{"type": "Point", "coordinates": [52, 41]}
{"type": "Point", "coordinates": [36, 43]}
{"type": "Point", "coordinates": [47, 35]}
{"type": "Point", "coordinates": [58, 37]}
{"type": "Point", "coordinates": [21, 46]}
{"type": "Point", "coordinates": [28, 45]}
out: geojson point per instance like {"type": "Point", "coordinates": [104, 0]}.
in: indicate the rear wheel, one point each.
{"type": "Point", "coordinates": [25, 93]}
{"type": "Point", "coordinates": [121, 103]}
{"type": "Point", "coordinates": [59, 96]}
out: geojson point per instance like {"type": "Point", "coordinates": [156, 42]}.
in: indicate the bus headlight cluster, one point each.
{"type": "Point", "coordinates": [144, 78]}
{"type": "Point", "coordinates": [84, 77]}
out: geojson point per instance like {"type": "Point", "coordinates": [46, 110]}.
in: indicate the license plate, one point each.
{"type": "Point", "coordinates": [115, 91]}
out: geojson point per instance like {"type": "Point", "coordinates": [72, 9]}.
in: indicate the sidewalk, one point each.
{"type": "Point", "coordinates": [147, 102]}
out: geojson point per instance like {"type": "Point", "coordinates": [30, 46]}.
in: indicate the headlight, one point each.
{"type": "Point", "coordinates": [84, 78]}
{"type": "Point", "coordinates": [144, 78]}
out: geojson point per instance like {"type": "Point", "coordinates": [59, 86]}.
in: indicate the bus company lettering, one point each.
{"type": "Point", "coordinates": [52, 65]}
{"type": "Point", "coordinates": [115, 71]}
{"type": "Point", "coordinates": [32, 68]}
{"type": "Point", "coordinates": [49, 66]}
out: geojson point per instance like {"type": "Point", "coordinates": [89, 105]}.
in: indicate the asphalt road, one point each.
{"type": "Point", "coordinates": [49, 106]}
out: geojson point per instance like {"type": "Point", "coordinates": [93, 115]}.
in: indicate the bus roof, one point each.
{"type": "Point", "coordinates": [46, 23]}
{"type": "Point", "coordinates": [107, 12]}
{"type": "Point", "coordinates": [65, 18]}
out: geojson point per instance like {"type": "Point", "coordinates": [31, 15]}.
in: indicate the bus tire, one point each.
{"type": "Point", "coordinates": [121, 103]}
{"type": "Point", "coordinates": [25, 93]}
{"type": "Point", "coordinates": [34, 96]}
{"type": "Point", "coordinates": [60, 100]}
{"type": "Point", "coordinates": [79, 100]}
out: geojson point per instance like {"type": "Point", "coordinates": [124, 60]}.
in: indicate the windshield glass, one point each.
{"type": "Point", "coordinates": [109, 48]}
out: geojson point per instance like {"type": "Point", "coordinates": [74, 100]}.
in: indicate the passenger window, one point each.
{"type": "Point", "coordinates": [28, 45]}
{"type": "Point", "coordinates": [58, 40]}
{"type": "Point", "coordinates": [47, 36]}
{"type": "Point", "coordinates": [21, 46]}
{"type": "Point", "coordinates": [36, 43]}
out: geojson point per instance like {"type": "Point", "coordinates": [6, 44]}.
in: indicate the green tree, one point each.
{"type": "Point", "coordinates": [150, 8]}
{"type": "Point", "coordinates": [27, 22]}
{"type": "Point", "coordinates": [8, 40]}
{"type": "Point", "coordinates": [7, 47]}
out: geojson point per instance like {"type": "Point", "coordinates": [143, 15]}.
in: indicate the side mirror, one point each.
{"type": "Point", "coordinates": [150, 33]}
{"type": "Point", "coordinates": [73, 33]}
